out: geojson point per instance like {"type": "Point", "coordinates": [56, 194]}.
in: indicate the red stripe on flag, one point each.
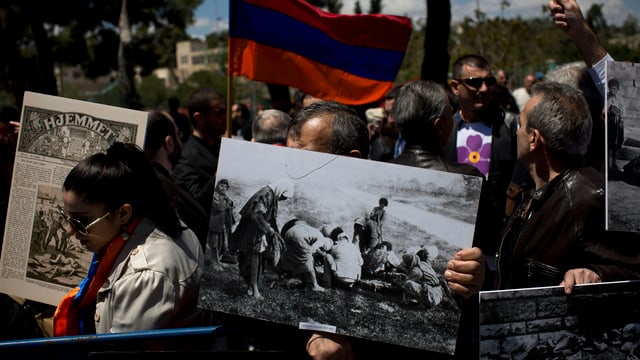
{"type": "Point", "coordinates": [372, 30]}
{"type": "Point", "coordinates": [266, 64]}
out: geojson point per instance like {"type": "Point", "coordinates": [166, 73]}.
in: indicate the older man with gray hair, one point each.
{"type": "Point", "coordinates": [557, 233]}
{"type": "Point", "coordinates": [270, 127]}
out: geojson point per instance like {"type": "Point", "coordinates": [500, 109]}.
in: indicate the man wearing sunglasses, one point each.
{"type": "Point", "coordinates": [483, 136]}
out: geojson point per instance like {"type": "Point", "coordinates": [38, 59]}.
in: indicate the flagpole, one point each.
{"type": "Point", "coordinates": [229, 73]}
{"type": "Point", "coordinates": [229, 102]}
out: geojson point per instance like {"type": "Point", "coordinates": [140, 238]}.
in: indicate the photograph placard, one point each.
{"type": "Point", "coordinates": [426, 210]}
{"type": "Point", "coordinates": [622, 117]}
{"type": "Point", "coordinates": [597, 321]}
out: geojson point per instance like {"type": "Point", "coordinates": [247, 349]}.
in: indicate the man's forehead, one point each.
{"type": "Point", "coordinates": [216, 102]}
{"type": "Point", "coordinates": [315, 134]}
{"type": "Point", "coordinates": [474, 71]}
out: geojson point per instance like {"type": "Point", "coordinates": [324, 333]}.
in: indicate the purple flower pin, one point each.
{"type": "Point", "coordinates": [475, 153]}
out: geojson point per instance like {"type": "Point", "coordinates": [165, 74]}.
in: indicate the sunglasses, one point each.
{"type": "Point", "coordinates": [476, 82]}
{"type": "Point", "coordinates": [77, 225]}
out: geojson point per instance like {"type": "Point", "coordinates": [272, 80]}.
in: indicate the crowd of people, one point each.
{"type": "Point", "coordinates": [156, 218]}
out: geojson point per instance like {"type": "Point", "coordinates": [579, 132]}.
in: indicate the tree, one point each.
{"type": "Point", "coordinates": [82, 32]}
{"type": "Point", "coordinates": [503, 5]}
{"type": "Point", "coordinates": [630, 28]}
{"type": "Point", "coordinates": [375, 6]}
{"type": "Point", "coordinates": [202, 78]}
{"type": "Point", "coordinates": [356, 8]}
{"type": "Point", "coordinates": [153, 93]}
{"type": "Point", "coordinates": [436, 41]}
{"type": "Point", "coordinates": [595, 19]}
{"type": "Point", "coordinates": [414, 55]}
{"type": "Point", "coordinates": [334, 6]}
{"type": "Point", "coordinates": [125, 61]}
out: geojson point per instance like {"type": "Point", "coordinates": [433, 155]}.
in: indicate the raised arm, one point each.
{"type": "Point", "coordinates": [567, 16]}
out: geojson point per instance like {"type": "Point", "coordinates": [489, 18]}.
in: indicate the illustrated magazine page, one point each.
{"type": "Point", "coordinates": [335, 243]}
{"type": "Point", "coordinates": [39, 261]}
{"type": "Point", "coordinates": [597, 321]}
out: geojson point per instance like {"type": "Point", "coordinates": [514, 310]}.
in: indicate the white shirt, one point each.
{"type": "Point", "coordinates": [522, 96]}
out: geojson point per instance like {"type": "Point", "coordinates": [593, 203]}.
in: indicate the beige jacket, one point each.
{"type": "Point", "coordinates": [154, 283]}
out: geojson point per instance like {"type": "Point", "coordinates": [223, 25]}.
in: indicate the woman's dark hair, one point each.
{"type": "Point", "coordinates": [124, 175]}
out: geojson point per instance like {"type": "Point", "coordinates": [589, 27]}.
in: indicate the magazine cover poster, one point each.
{"type": "Point", "coordinates": [623, 146]}
{"type": "Point", "coordinates": [338, 244]}
{"type": "Point", "coordinates": [39, 261]}
{"type": "Point", "coordinates": [597, 321]}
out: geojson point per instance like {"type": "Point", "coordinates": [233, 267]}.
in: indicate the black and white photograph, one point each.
{"type": "Point", "coordinates": [596, 322]}
{"type": "Point", "coordinates": [623, 146]}
{"type": "Point", "coordinates": [337, 243]}
{"type": "Point", "coordinates": [53, 255]}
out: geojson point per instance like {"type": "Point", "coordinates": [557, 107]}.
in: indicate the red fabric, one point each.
{"type": "Point", "coordinates": [321, 81]}
{"type": "Point", "coordinates": [382, 31]}
{"type": "Point", "coordinates": [66, 315]}
{"type": "Point", "coordinates": [352, 59]}
{"type": "Point", "coordinates": [66, 319]}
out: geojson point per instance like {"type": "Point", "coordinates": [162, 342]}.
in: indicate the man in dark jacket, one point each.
{"type": "Point", "coordinates": [557, 232]}
{"type": "Point", "coordinates": [163, 146]}
{"type": "Point", "coordinates": [199, 160]}
{"type": "Point", "coordinates": [484, 136]}
{"type": "Point", "coordinates": [424, 116]}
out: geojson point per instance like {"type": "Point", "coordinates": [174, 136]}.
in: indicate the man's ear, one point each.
{"type": "Point", "coordinates": [438, 124]}
{"type": "Point", "coordinates": [169, 144]}
{"type": "Point", "coordinates": [125, 212]}
{"type": "Point", "coordinates": [443, 128]}
{"type": "Point", "coordinates": [536, 140]}
{"type": "Point", "coordinates": [355, 154]}
{"type": "Point", "coordinates": [454, 86]}
{"type": "Point", "coordinates": [198, 118]}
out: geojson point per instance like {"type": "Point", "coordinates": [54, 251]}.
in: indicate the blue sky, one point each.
{"type": "Point", "coordinates": [213, 14]}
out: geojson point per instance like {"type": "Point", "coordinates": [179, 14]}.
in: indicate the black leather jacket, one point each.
{"type": "Point", "coordinates": [417, 156]}
{"type": "Point", "coordinates": [556, 228]}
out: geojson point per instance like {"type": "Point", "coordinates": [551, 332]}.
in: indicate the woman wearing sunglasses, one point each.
{"type": "Point", "coordinates": [146, 267]}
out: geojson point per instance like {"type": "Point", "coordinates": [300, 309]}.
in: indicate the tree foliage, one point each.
{"type": "Point", "coordinates": [375, 7]}
{"type": "Point", "coordinates": [332, 6]}
{"type": "Point", "coordinates": [530, 45]}
{"type": "Point", "coordinates": [357, 9]}
{"type": "Point", "coordinates": [434, 66]}
{"type": "Point", "coordinates": [35, 35]}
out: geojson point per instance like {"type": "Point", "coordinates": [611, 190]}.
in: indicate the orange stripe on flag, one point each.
{"type": "Point", "coordinates": [267, 64]}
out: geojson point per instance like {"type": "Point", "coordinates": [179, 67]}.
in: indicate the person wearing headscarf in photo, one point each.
{"type": "Point", "coordinates": [257, 233]}
{"type": "Point", "coordinates": [422, 283]}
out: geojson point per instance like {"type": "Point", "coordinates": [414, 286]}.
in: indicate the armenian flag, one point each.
{"type": "Point", "coordinates": [352, 59]}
